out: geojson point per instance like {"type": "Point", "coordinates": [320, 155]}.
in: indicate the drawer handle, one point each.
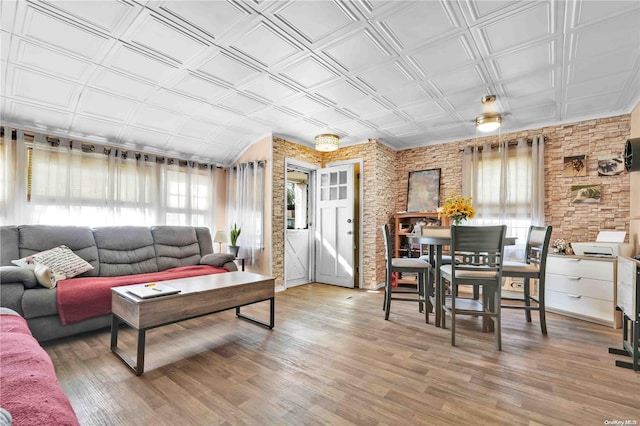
{"type": "Point", "coordinates": [574, 296]}
{"type": "Point", "coordinates": [575, 278]}
{"type": "Point", "coordinates": [574, 260]}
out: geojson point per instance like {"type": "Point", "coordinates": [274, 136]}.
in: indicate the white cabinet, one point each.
{"type": "Point", "coordinates": [582, 287]}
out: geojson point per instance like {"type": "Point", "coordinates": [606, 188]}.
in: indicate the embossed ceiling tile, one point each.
{"type": "Point", "coordinates": [366, 107]}
{"type": "Point", "coordinates": [92, 127]}
{"type": "Point", "coordinates": [384, 77]}
{"type": "Point", "coordinates": [535, 114]}
{"type": "Point", "coordinates": [331, 117]}
{"type": "Point", "coordinates": [240, 103]}
{"type": "Point", "coordinates": [403, 130]}
{"type": "Point", "coordinates": [606, 87]}
{"type": "Point", "coordinates": [303, 105]}
{"type": "Point", "coordinates": [269, 89]}
{"type": "Point", "coordinates": [591, 11]}
{"type": "Point", "coordinates": [171, 42]}
{"type": "Point", "coordinates": [158, 119]}
{"type": "Point", "coordinates": [360, 50]}
{"type": "Point", "coordinates": [38, 117]}
{"type": "Point", "coordinates": [595, 106]}
{"type": "Point", "coordinates": [420, 22]}
{"type": "Point", "coordinates": [472, 96]}
{"type": "Point", "coordinates": [48, 60]}
{"type": "Point", "coordinates": [215, 114]}
{"type": "Point", "coordinates": [514, 29]}
{"type": "Point", "coordinates": [169, 100]}
{"type": "Point", "coordinates": [592, 68]}
{"type": "Point", "coordinates": [308, 73]}
{"type": "Point", "coordinates": [457, 81]}
{"type": "Point", "coordinates": [341, 93]}
{"type": "Point", "coordinates": [407, 95]}
{"type": "Point", "coordinates": [107, 15]}
{"type": "Point", "coordinates": [119, 83]}
{"type": "Point", "coordinates": [229, 69]}
{"type": "Point", "coordinates": [199, 87]}
{"type": "Point", "coordinates": [423, 109]}
{"type": "Point", "coordinates": [356, 127]}
{"type": "Point", "coordinates": [531, 83]}
{"type": "Point", "coordinates": [274, 115]}
{"type": "Point", "coordinates": [102, 104]}
{"type": "Point", "coordinates": [57, 32]}
{"type": "Point", "coordinates": [265, 45]}
{"type": "Point", "coordinates": [522, 61]}
{"type": "Point", "coordinates": [305, 127]}
{"type": "Point", "coordinates": [314, 19]}
{"type": "Point", "coordinates": [197, 129]}
{"type": "Point", "coordinates": [444, 55]}
{"type": "Point", "coordinates": [481, 9]}
{"type": "Point", "coordinates": [138, 137]}
{"type": "Point", "coordinates": [212, 17]}
{"type": "Point", "coordinates": [600, 38]}
{"type": "Point", "coordinates": [534, 100]}
{"type": "Point", "coordinates": [38, 87]}
{"type": "Point", "coordinates": [386, 120]}
{"type": "Point", "coordinates": [139, 64]}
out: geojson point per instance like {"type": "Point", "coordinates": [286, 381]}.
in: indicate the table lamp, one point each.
{"type": "Point", "coordinates": [221, 237]}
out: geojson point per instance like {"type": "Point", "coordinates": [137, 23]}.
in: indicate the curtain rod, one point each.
{"type": "Point", "coordinates": [122, 152]}
{"type": "Point", "coordinates": [495, 145]}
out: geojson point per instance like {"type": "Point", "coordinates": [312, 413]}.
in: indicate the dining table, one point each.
{"type": "Point", "coordinates": [437, 237]}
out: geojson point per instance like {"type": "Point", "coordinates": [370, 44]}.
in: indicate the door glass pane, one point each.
{"type": "Point", "coordinates": [334, 178]}
{"type": "Point", "coordinates": [343, 177]}
{"type": "Point", "coordinates": [324, 179]}
{"type": "Point", "coordinates": [324, 194]}
{"type": "Point", "coordinates": [343, 193]}
{"type": "Point", "coordinates": [333, 195]}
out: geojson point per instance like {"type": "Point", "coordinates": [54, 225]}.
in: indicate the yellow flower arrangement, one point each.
{"type": "Point", "coordinates": [457, 208]}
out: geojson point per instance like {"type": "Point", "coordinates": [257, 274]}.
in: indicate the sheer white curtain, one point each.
{"type": "Point", "coordinates": [84, 184]}
{"type": "Point", "coordinates": [507, 185]}
{"type": "Point", "coordinates": [13, 177]}
{"type": "Point", "coordinates": [246, 207]}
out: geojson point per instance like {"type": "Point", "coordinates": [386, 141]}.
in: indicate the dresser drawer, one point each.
{"type": "Point", "coordinates": [580, 286]}
{"type": "Point", "coordinates": [581, 305]}
{"type": "Point", "coordinates": [579, 267]}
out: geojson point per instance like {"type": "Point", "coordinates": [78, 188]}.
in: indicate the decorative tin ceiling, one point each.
{"type": "Point", "coordinates": [206, 79]}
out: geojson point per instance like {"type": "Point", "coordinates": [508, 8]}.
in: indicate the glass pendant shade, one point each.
{"type": "Point", "coordinates": [327, 142]}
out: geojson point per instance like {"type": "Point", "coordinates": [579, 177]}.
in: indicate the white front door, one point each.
{"type": "Point", "coordinates": [334, 236]}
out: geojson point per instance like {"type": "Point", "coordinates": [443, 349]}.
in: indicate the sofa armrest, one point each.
{"type": "Point", "coordinates": [16, 274]}
{"type": "Point", "coordinates": [231, 266]}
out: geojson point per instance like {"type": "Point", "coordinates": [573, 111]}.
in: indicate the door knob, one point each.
{"type": "Point", "coordinates": [349, 220]}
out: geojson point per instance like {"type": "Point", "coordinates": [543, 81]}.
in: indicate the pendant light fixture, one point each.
{"type": "Point", "coordinates": [489, 120]}
{"type": "Point", "coordinates": [327, 142]}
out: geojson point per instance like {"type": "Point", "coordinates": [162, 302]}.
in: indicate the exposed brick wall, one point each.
{"type": "Point", "coordinates": [573, 222]}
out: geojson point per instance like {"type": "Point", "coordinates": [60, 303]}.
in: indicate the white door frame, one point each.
{"type": "Point", "coordinates": [359, 161]}
{"type": "Point", "coordinates": [290, 163]}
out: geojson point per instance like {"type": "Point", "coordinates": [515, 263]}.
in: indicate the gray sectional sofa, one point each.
{"type": "Point", "coordinates": [112, 251]}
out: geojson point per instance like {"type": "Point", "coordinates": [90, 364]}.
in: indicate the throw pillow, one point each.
{"type": "Point", "coordinates": [45, 276]}
{"type": "Point", "coordinates": [216, 259]}
{"type": "Point", "coordinates": [63, 262]}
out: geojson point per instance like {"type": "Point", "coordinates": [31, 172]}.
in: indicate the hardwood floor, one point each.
{"type": "Point", "coordinates": [332, 359]}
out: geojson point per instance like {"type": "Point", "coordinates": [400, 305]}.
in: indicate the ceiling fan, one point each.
{"type": "Point", "coordinates": [490, 119]}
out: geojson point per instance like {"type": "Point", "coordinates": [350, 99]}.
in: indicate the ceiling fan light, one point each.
{"type": "Point", "coordinates": [488, 122]}
{"type": "Point", "coordinates": [327, 142]}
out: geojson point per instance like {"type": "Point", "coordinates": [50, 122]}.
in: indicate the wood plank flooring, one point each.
{"type": "Point", "coordinates": [333, 360]}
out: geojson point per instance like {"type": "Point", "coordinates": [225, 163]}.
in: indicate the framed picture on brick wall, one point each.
{"type": "Point", "coordinates": [575, 165]}
{"type": "Point", "coordinates": [423, 194]}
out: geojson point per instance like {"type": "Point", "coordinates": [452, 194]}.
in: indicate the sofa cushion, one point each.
{"type": "Point", "coordinates": [125, 250]}
{"type": "Point", "coordinates": [36, 238]}
{"type": "Point", "coordinates": [39, 302]}
{"type": "Point", "coordinates": [176, 246]}
{"type": "Point", "coordinates": [9, 248]}
{"type": "Point", "coordinates": [216, 259]}
{"type": "Point", "coordinates": [63, 262]}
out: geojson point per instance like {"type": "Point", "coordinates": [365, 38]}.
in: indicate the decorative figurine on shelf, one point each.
{"type": "Point", "coordinates": [417, 229]}
{"type": "Point", "coordinates": [559, 246]}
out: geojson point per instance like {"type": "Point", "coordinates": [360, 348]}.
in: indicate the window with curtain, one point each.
{"type": "Point", "coordinates": [507, 185]}
{"type": "Point", "coordinates": [72, 183]}
{"type": "Point", "coordinates": [246, 207]}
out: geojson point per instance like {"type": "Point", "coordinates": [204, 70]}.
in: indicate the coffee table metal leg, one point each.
{"type": "Point", "coordinates": [262, 323]}
{"type": "Point", "coordinates": [138, 365]}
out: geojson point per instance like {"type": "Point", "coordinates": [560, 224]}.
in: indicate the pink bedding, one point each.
{"type": "Point", "coordinates": [83, 298]}
{"type": "Point", "coordinates": [28, 384]}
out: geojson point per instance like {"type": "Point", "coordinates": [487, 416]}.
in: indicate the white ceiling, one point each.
{"type": "Point", "coordinates": [206, 79]}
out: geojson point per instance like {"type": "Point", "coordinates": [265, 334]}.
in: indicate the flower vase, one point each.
{"type": "Point", "coordinates": [457, 222]}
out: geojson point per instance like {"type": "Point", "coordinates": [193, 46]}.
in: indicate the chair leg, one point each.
{"type": "Point", "coordinates": [442, 300]}
{"type": "Point", "coordinates": [420, 292]}
{"type": "Point", "coordinates": [497, 322]}
{"type": "Point", "coordinates": [527, 300]}
{"type": "Point", "coordinates": [387, 298]}
{"type": "Point", "coordinates": [454, 291]}
{"type": "Point", "coordinates": [541, 308]}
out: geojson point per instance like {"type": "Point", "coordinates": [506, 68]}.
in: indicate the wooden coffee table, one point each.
{"type": "Point", "coordinates": [198, 296]}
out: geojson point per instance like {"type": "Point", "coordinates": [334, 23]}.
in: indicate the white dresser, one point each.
{"type": "Point", "coordinates": [582, 287]}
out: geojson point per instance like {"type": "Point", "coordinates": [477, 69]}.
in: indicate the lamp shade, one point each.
{"type": "Point", "coordinates": [220, 237]}
{"type": "Point", "coordinates": [327, 142]}
{"type": "Point", "coordinates": [489, 120]}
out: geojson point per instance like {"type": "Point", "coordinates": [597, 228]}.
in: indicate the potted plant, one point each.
{"type": "Point", "coordinates": [235, 233]}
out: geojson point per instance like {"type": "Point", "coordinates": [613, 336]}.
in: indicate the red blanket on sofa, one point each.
{"type": "Point", "coordinates": [28, 384]}
{"type": "Point", "coordinates": [83, 298]}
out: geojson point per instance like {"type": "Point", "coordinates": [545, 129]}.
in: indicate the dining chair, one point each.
{"type": "Point", "coordinates": [532, 267]}
{"type": "Point", "coordinates": [404, 265]}
{"type": "Point", "coordinates": [478, 254]}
